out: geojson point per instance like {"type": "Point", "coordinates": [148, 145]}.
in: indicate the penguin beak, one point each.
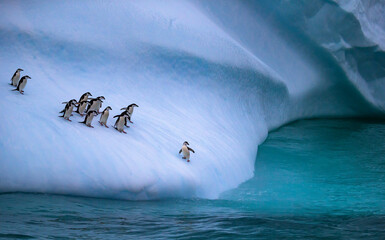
{"type": "Point", "coordinates": [21, 69]}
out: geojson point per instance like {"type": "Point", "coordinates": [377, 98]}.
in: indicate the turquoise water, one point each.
{"type": "Point", "coordinates": [313, 179]}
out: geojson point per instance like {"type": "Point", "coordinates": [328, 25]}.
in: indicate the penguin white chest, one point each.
{"type": "Point", "coordinates": [104, 116]}
{"type": "Point", "coordinates": [15, 79]}
{"type": "Point", "coordinates": [94, 106]}
{"type": "Point", "coordinates": [82, 107]}
{"type": "Point", "coordinates": [23, 84]}
{"type": "Point", "coordinates": [130, 111]}
{"type": "Point", "coordinates": [68, 113]}
{"type": "Point", "coordinates": [98, 105]}
{"type": "Point", "coordinates": [89, 119]}
{"type": "Point", "coordinates": [186, 152]}
{"type": "Point", "coordinates": [120, 123]}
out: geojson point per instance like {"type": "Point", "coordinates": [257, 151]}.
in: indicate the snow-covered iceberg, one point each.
{"type": "Point", "coordinates": [219, 74]}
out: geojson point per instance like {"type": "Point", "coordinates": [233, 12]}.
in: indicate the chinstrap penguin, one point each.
{"type": "Point", "coordinates": [68, 110]}
{"type": "Point", "coordinates": [95, 104]}
{"type": "Point", "coordinates": [130, 110]}
{"type": "Point", "coordinates": [85, 96]}
{"type": "Point", "coordinates": [68, 103]}
{"type": "Point", "coordinates": [128, 118]}
{"type": "Point", "coordinates": [104, 116]}
{"type": "Point", "coordinates": [15, 78]}
{"type": "Point", "coordinates": [82, 107]}
{"type": "Point", "coordinates": [120, 122]}
{"type": "Point", "coordinates": [186, 151]}
{"type": "Point", "coordinates": [22, 83]}
{"type": "Point", "coordinates": [88, 119]}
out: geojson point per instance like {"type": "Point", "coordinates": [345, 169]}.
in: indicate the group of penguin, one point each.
{"type": "Point", "coordinates": [19, 83]}
{"type": "Point", "coordinates": [91, 108]}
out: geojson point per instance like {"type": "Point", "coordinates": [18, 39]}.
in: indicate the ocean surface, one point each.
{"type": "Point", "coordinates": [313, 179]}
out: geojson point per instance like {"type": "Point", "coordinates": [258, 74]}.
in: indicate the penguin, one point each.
{"type": "Point", "coordinates": [82, 107]}
{"type": "Point", "coordinates": [15, 78]}
{"type": "Point", "coordinates": [68, 110]}
{"type": "Point", "coordinates": [186, 151]}
{"type": "Point", "coordinates": [120, 122]}
{"type": "Point", "coordinates": [85, 96]}
{"type": "Point", "coordinates": [127, 118]}
{"type": "Point", "coordinates": [104, 116]}
{"type": "Point", "coordinates": [22, 83]}
{"type": "Point", "coordinates": [68, 103]}
{"type": "Point", "coordinates": [130, 109]}
{"type": "Point", "coordinates": [88, 119]}
{"type": "Point", "coordinates": [95, 104]}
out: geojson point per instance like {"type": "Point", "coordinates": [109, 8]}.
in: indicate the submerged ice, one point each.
{"type": "Point", "coordinates": [220, 75]}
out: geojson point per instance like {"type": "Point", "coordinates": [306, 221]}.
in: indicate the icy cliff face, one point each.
{"type": "Point", "coordinates": [218, 74]}
{"type": "Point", "coordinates": [353, 32]}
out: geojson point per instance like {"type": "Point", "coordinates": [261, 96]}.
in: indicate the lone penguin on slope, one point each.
{"type": "Point", "coordinates": [130, 110]}
{"type": "Point", "coordinates": [186, 151]}
{"type": "Point", "coordinates": [104, 116]}
{"type": "Point", "coordinates": [95, 104]}
{"type": "Point", "coordinates": [120, 122]}
{"type": "Point", "coordinates": [22, 83]}
{"type": "Point", "coordinates": [68, 110]}
{"type": "Point", "coordinates": [88, 120]}
{"type": "Point", "coordinates": [15, 78]}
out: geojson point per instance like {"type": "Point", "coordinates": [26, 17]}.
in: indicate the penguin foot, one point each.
{"type": "Point", "coordinates": [106, 126]}
{"type": "Point", "coordinates": [131, 122]}
{"type": "Point", "coordinates": [124, 132]}
{"type": "Point", "coordinates": [101, 123]}
{"type": "Point", "coordinates": [69, 120]}
{"type": "Point", "coordinates": [188, 160]}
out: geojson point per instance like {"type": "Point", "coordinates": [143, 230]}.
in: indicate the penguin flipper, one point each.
{"type": "Point", "coordinates": [190, 149]}
{"type": "Point", "coordinates": [180, 151]}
